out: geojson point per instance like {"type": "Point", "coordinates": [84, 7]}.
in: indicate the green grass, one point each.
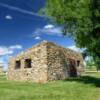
{"type": "Point", "coordinates": [85, 88]}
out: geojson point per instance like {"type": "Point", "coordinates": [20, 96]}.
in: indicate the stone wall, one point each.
{"type": "Point", "coordinates": [48, 62]}
{"type": "Point", "coordinates": [38, 72]}
{"type": "Point", "coordinates": [58, 62]}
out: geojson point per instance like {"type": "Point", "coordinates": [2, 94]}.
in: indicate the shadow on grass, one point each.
{"type": "Point", "coordinates": [86, 80]}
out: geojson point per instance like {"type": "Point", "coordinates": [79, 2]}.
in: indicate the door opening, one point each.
{"type": "Point", "coordinates": [72, 67]}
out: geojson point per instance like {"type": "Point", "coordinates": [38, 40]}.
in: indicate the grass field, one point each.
{"type": "Point", "coordinates": [85, 88]}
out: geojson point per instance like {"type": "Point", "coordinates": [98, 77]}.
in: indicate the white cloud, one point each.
{"type": "Point", "coordinates": [4, 62]}
{"type": "Point", "coordinates": [1, 62]}
{"type": "Point", "coordinates": [49, 30]}
{"type": "Point", "coordinates": [49, 26]}
{"type": "Point", "coordinates": [16, 47]}
{"type": "Point", "coordinates": [3, 50]}
{"type": "Point", "coordinates": [6, 52]}
{"type": "Point", "coordinates": [9, 50]}
{"type": "Point", "coordinates": [9, 17]}
{"type": "Point", "coordinates": [37, 38]}
{"type": "Point", "coordinates": [73, 47]}
{"type": "Point", "coordinates": [4, 66]}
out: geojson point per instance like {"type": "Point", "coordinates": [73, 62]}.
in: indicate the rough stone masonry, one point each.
{"type": "Point", "coordinates": [45, 61]}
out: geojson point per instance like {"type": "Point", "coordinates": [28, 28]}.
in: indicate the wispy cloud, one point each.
{"type": "Point", "coordinates": [20, 10]}
{"type": "Point", "coordinates": [37, 38]}
{"type": "Point", "coordinates": [9, 50]}
{"type": "Point", "coordinates": [48, 30]}
{"type": "Point", "coordinates": [4, 62]}
{"type": "Point", "coordinates": [16, 47]}
{"type": "Point", "coordinates": [49, 26]}
{"type": "Point", "coordinates": [6, 52]}
{"type": "Point", "coordinates": [73, 47]}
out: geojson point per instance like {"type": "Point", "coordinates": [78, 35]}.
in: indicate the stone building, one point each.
{"type": "Point", "coordinates": [45, 61]}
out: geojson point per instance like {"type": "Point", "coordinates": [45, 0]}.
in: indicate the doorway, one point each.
{"type": "Point", "coordinates": [72, 67]}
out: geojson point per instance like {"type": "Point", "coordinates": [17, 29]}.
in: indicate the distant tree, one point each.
{"type": "Point", "coordinates": [90, 64]}
{"type": "Point", "coordinates": [97, 63]}
{"type": "Point", "coordinates": [85, 54]}
{"type": "Point", "coordinates": [80, 19]}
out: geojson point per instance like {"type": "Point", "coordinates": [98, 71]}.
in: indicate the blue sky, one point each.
{"type": "Point", "coordinates": [21, 27]}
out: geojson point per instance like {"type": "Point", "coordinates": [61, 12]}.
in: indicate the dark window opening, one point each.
{"type": "Point", "coordinates": [17, 64]}
{"type": "Point", "coordinates": [78, 63]}
{"type": "Point", "coordinates": [28, 63]}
